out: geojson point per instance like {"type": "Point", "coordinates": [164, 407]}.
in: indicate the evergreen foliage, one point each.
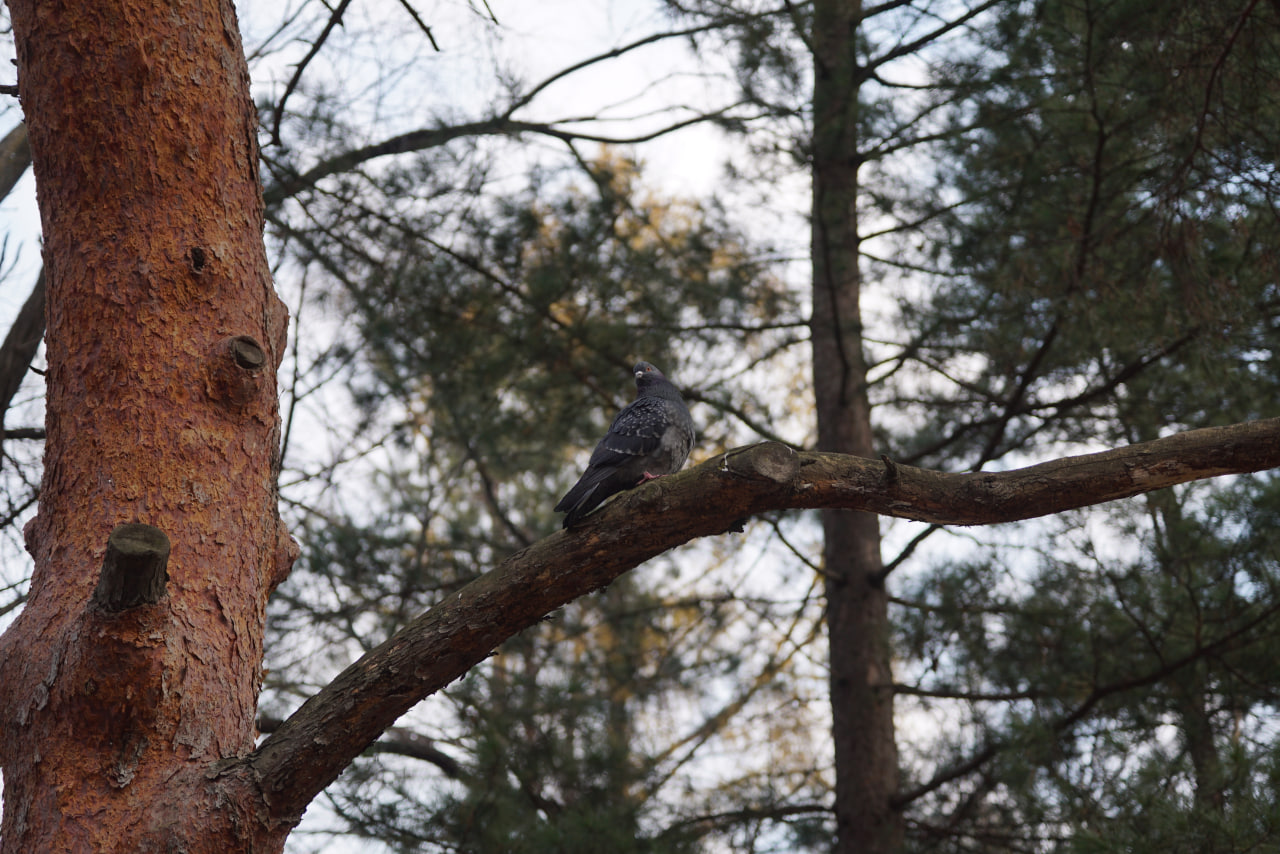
{"type": "Point", "coordinates": [1113, 280]}
{"type": "Point", "coordinates": [494, 351]}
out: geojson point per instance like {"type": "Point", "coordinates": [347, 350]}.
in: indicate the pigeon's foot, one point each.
{"type": "Point", "coordinates": [648, 477]}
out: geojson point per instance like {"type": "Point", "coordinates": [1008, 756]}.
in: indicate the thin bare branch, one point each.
{"type": "Point", "coordinates": [335, 18]}
{"type": "Point", "coordinates": [422, 25]}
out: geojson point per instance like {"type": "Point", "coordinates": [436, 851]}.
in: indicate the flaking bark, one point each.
{"type": "Point", "coordinates": [142, 135]}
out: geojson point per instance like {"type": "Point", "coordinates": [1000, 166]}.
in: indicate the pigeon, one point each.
{"type": "Point", "coordinates": [649, 438]}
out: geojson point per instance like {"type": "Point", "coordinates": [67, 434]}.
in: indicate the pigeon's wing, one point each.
{"type": "Point", "coordinates": [621, 459]}
{"type": "Point", "coordinates": [651, 436]}
{"type": "Point", "coordinates": [636, 433]}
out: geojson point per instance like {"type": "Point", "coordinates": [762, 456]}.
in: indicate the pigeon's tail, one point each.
{"type": "Point", "coordinates": [581, 500]}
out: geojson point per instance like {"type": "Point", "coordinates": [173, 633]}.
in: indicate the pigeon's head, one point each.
{"type": "Point", "coordinates": [645, 370]}
{"type": "Point", "coordinates": [647, 376]}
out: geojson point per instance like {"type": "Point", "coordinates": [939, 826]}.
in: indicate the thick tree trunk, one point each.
{"type": "Point", "coordinates": [866, 758]}
{"type": "Point", "coordinates": [115, 707]}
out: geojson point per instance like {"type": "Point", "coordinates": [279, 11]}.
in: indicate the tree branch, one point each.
{"type": "Point", "coordinates": [971, 696]}
{"type": "Point", "coordinates": [312, 747]}
{"type": "Point", "coordinates": [20, 345]}
{"type": "Point", "coordinates": [335, 18]}
{"type": "Point", "coordinates": [420, 140]}
{"type": "Point", "coordinates": [910, 48]}
{"type": "Point", "coordinates": [396, 741]}
{"type": "Point", "coordinates": [1097, 695]}
{"type": "Point", "coordinates": [15, 158]}
{"type": "Point", "coordinates": [502, 123]}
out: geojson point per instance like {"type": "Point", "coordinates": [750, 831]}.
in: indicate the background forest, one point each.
{"type": "Point", "coordinates": [1042, 228]}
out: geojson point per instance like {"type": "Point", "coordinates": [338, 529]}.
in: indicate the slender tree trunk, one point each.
{"type": "Point", "coordinates": [23, 339]}
{"type": "Point", "coordinates": [1178, 556]}
{"type": "Point", "coordinates": [866, 758]}
{"type": "Point", "coordinates": [1198, 736]}
{"type": "Point", "coordinates": [125, 679]}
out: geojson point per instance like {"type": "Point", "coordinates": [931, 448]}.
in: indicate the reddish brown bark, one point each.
{"type": "Point", "coordinates": [143, 140]}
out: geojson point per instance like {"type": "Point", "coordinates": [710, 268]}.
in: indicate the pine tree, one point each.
{"type": "Point", "coordinates": [1112, 279]}
{"type": "Point", "coordinates": [493, 355]}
